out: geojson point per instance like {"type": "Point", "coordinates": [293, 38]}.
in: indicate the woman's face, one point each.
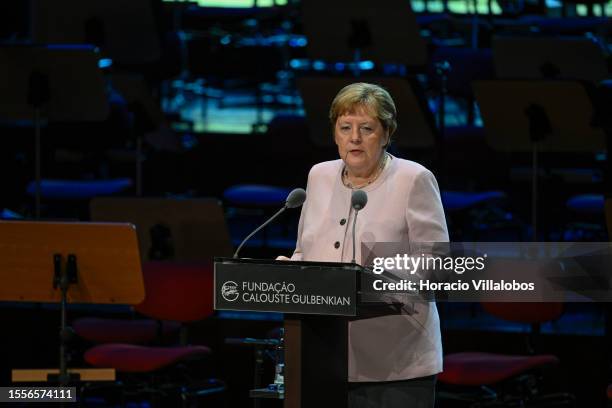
{"type": "Point", "coordinates": [360, 139]}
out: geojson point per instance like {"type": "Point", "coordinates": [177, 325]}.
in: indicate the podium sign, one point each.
{"type": "Point", "coordinates": [286, 287]}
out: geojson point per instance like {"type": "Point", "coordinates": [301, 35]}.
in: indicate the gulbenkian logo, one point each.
{"type": "Point", "coordinates": [229, 291]}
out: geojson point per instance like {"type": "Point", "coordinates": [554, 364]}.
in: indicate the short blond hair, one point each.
{"type": "Point", "coordinates": [373, 98]}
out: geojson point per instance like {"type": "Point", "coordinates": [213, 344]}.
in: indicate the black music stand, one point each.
{"type": "Point", "coordinates": [318, 92]}
{"type": "Point", "coordinates": [549, 58]}
{"type": "Point", "coordinates": [125, 31]}
{"type": "Point", "coordinates": [538, 116]}
{"type": "Point", "coordinates": [169, 228]}
{"type": "Point", "coordinates": [53, 83]}
{"type": "Point", "coordinates": [147, 114]}
{"type": "Point", "coordinates": [65, 263]}
{"type": "Point", "coordinates": [354, 30]}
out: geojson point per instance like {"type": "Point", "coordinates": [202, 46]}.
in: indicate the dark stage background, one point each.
{"type": "Point", "coordinates": [163, 105]}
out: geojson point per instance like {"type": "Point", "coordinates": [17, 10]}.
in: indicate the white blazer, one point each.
{"type": "Point", "coordinates": [403, 206]}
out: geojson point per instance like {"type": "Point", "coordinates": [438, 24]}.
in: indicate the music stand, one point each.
{"type": "Point", "coordinates": [135, 91]}
{"type": "Point", "coordinates": [538, 116]}
{"type": "Point", "coordinates": [63, 262]}
{"type": "Point", "coordinates": [549, 58]}
{"type": "Point", "coordinates": [173, 229]}
{"type": "Point", "coordinates": [125, 31]}
{"type": "Point", "coordinates": [354, 30]}
{"type": "Point", "coordinates": [53, 83]}
{"type": "Point", "coordinates": [318, 92]}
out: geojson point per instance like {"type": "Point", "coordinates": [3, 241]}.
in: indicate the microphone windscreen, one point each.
{"type": "Point", "coordinates": [359, 199]}
{"type": "Point", "coordinates": [295, 198]}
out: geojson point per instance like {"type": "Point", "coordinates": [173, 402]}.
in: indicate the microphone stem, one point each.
{"type": "Point", "coordinates": [354, 237]}
{"type": "Point", "coordinates": [257, 230]}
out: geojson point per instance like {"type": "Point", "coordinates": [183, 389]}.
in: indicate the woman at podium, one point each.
{"type": "Point", "coordinates": [393, 359]}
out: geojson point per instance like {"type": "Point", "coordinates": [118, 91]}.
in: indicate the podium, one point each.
{"type": "Point", "coordinates": [318, 299]}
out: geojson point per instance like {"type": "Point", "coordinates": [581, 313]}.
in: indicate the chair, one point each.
{"type": "Point", "coordinates": [66, 111]}
{"type": "Point", "coordinates": [586, 218]}
{"type": "Point", "coordinates": [256, 195]}
{"type": "Point", "coordinates": [178, 230]}
{"type": "Point", "coordinates": [586, 203]}
{"type": "Point", "coordinates": [483, 378]}
{"type": "Point", "coordinates": [69, 198]}
{"type": "Point", "coordinates": [180, 292]}
{"type": "Point", "coordinates": [457, 200]}
{"type": "Point", "coordinates": [480, 216]}
{"type": "Point", "coordinates": [136, 331]}
{"type": "Point", "coordinates": [79, 189]}
{"type": "Point", "coordinates": [6, 214]}
{"type": "Point", "coordinates": [247, 209]}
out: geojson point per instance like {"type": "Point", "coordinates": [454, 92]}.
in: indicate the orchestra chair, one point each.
{"type": "Point", "coordinates": [79, 189]}
{"type": "Point", "coordinates": [480, 215]}
{"type": "Point", "coordinates": [178, 292]}
{"type": "Point", "coordinates": [248, 205]}
{"type": "Point", "coordinates": [487, 379]}
{"type": "Point", "coordinates": [178, 231]}
{"type": "Point", "coordinates": [135, 331]}
{"type": "Point", "coordinates": [187, 230]}
{"type": "Point", "coordinates": [586, 218]}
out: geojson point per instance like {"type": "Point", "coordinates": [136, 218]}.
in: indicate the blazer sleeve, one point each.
{"type": "Point", "coordinates": [424, 212]}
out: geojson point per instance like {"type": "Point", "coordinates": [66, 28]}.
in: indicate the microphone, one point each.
{"type": "Point", "coordinates": [359, 199]}
{"type": "Point", "coordinates": [295, 199]}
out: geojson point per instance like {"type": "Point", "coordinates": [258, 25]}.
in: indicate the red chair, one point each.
{"type": "Point", "coordinates": [180, 292]}
{"type": "Point", "coordinates": [136, 331]}
{"type": "Point", "coordinates": [490, 378]}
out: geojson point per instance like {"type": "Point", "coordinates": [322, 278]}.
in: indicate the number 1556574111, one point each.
{"type": "Point", "coordinates": [38, 394]}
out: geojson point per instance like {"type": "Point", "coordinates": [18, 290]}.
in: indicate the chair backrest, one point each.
{"type": "Point", "coordinates": [170, 229]}
{"type": "Point", "coordinates": [176, 291]}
